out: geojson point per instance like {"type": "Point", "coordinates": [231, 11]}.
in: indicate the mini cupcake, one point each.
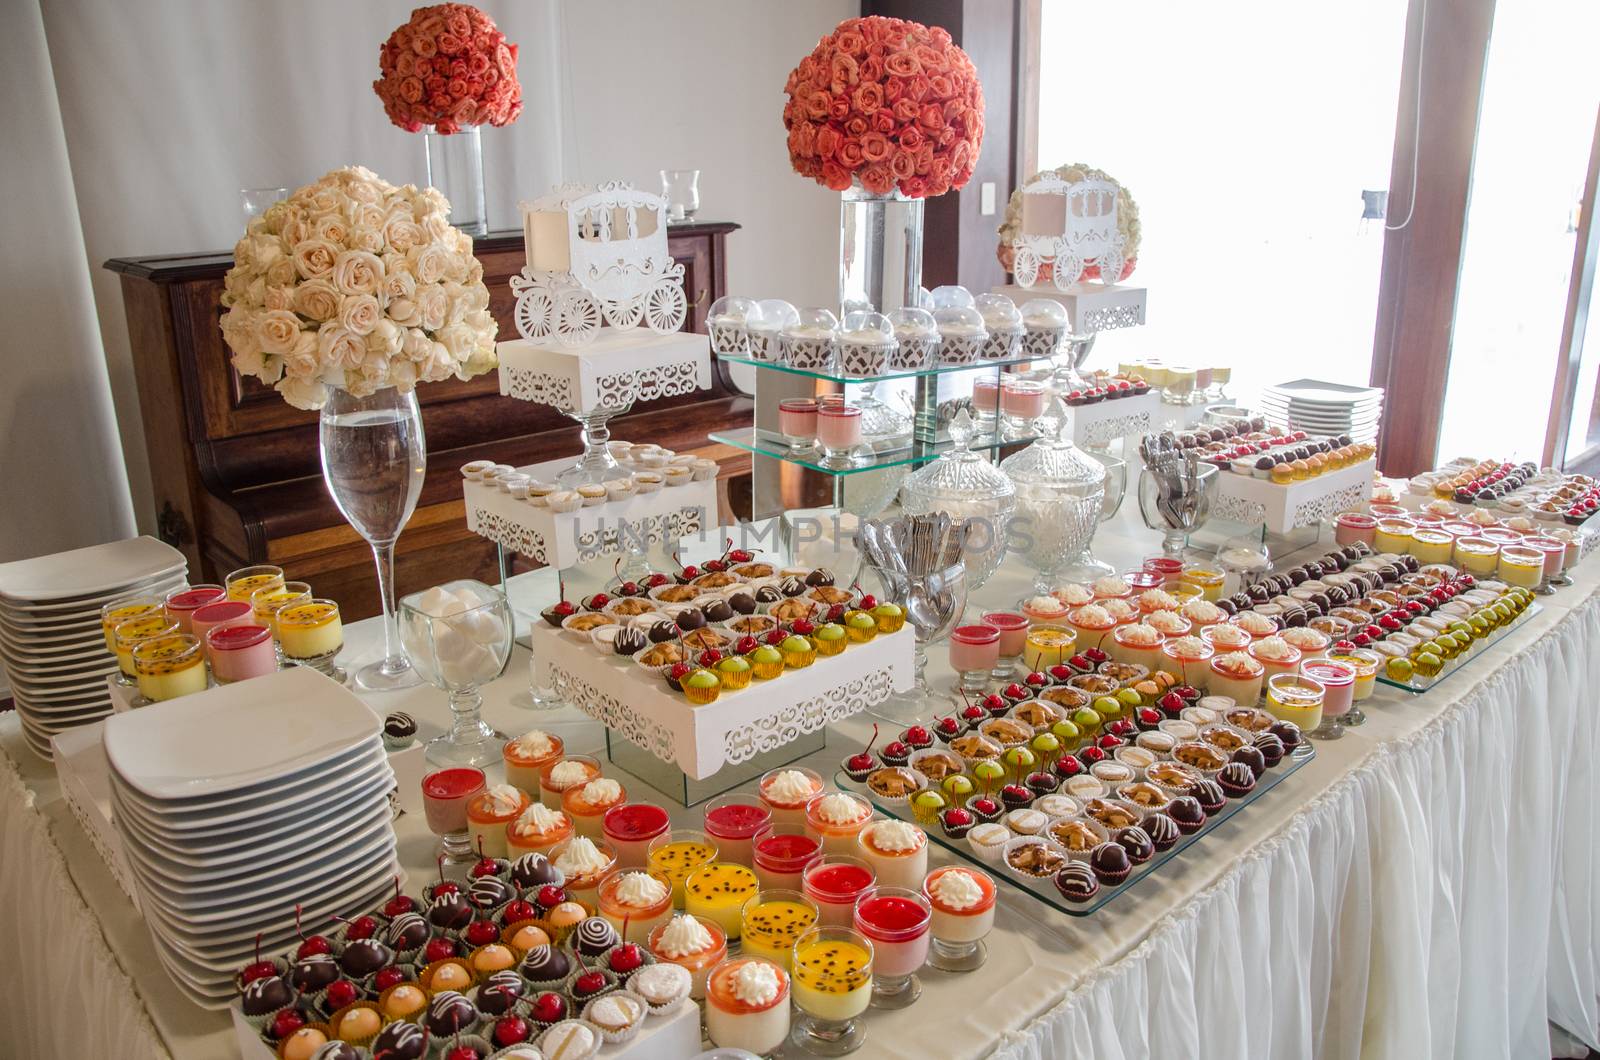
{"type": "Point", "coordinates": [660, 986]}
{"type": "Point", "coordinates": [571, 1040]}
{"type": "Point", "coordinates": [617, 1015]}
{"type": "Point", "coordinates": [988, 841]}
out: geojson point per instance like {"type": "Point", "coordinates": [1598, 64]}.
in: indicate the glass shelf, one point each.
{"type": "Point", "coordinates": [1417, 685]}
{"type": "Point", "coordinates": [904, 453]}
{"type": "Point", "coordinates": [1045, 890]}
{"type": "Point", "coordinates": [840, 378]}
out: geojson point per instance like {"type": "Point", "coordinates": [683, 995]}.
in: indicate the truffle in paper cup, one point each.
{"type": "Point", "coordinates": [661, 986]}
{"type": "Point", "coordinates": [571, 1040]}
{"type": "Point", "coordinates": [281, 1047]}
{"type": "Point", "coordinates": [617, 1016]}
{"type": "Point", "coordinates": [357, 1023]}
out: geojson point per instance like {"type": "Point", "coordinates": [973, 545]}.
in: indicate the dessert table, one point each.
{"type": "Point", "coordinates": [1423, 887]}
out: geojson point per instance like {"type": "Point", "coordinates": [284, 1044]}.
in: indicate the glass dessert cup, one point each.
{"type": "Point", "coordinates": [179, 604]}
{"type": "Point", "coordinates": [1365, 662]}
{"type": "Point", "coordinates": [528, 755]}
{"type": "Point", "coordinates": [831, 981]}
{"type": "Point", "coordinates": [1296, 698]}
{"type": "Point", "coordinates": [718, 892]}
{"type": "Point", "coordinates": [1013, 629]}
{"type": "Point", "coordinates": [834, 883]}
{"type": "Point", "coordinates": [634, 922]}
{"type": "Point", "coordinates": [631, 828]}
{"type": "Point", "coordinates": [445, 794]}
{"type": "Point", "coordinates": [894, 867]}
{"type": "Point", "coordinates": [735, 1018]}
{"type": "Point", "coordinates": [896, 920]}
{"type": "Point", "coordinates": [169, 666]}
{"type": "Point", "coordinates": [1338, 682]}
{"type": "Point", "coordinates": [958, 932]}
{"type": "Point", "coordinates": [245, 582]}
{"type": "Point", "coordinates": [240, 652]}
{"type": "Point", "coordinates": [772, 921]}
{"type": "Point", "coordinates": [580, 769]}
{"type": "Point", "coordinates": [834, 819]}
{"type": "Point", "coordinates": [310, 633]}
{"type": "Point", "coordinates": [587, 808]}
{"type": "Point", "coordinates": [459, 653]}
{"type": "Point", "coordinates": [974, 653]}
{"type": "Point", "coordinates": [129, 608]}
{"type": "Point", "coordinates": [132, 632]}
{"type": "Point", "coordinates": [781, 852]}
{"type": "Point", "coordinates": [698, 963]}
{"type": "Point", "coordinates": [733, 821]}
{"type": "Point", "coordinates": [786, 791]}
{"type": "Point", "coordinates": [676, 855]}
{"type": "Point", "coordinates": [797, 422]}
{"type": "Point", "coordinates": [839, 435]}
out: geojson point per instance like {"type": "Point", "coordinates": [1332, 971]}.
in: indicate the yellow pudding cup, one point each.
{"type": "Point", "coordinates": [1431, 546]}
{"type": "Point", "coordinates": [718, 892]}
{"type": "Point", "coordinates": [1392, 535]}
{"type": "Point", "coordinates": [245, 582]}
{"type": "Point", "coordinates": [832, 974]}
{"type": "Point", "coordinates": [1295, 698]}
{"type": "Point", "coordinates": [310, 630]}
{"type": "Point", "coordinates": [772, 921]}
{"type": "Point", "coordinates": [1047, 646]}
{"type": "Point", "coordinates": [1365, 663]}
{"type": "Point", "coordinates": [1477, 555]}
{"type": "Point", "coordinates": [134, 631]}
{"type": "Point", "coordinates": [1208, 580]}
{"type": "Point", "coordinates": [169, 666]}
{"type": "Point", "coordinates": [117, 612]}
{"type": "Point", "coordinates": [676, 855]}
{"type": "Point", "coordinates": [266, 603]}
{"type": "Point", "coordinates": [1521, 566]}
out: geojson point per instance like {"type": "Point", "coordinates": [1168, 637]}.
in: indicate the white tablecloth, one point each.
{"type": "Point", "coordinates": [1425, 887]}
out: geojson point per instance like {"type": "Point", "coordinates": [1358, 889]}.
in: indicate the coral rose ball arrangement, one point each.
{"type": "Point", "coordinates": [887, 103]}
{"type": "Point", "coordinates": [356, 284]}
{"type": "Point", "coordinates": [448, 67]}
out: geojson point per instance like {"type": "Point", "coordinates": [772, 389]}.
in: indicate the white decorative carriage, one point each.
{"type": "Point", "coordinates": [1068, 225]}
{"type": "Point", "coordinates": [596, 253]}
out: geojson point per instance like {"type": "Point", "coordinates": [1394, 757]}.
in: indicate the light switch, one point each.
{"type": "Point", "coordinates": [986, 198]}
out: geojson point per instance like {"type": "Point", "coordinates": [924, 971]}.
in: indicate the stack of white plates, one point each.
{"type": "Point", "coordinates": [1325, 408]}
{"type": "Point", "coordinates": [236, 804]}
{"type": "Point", "coordinates": [51, 644]}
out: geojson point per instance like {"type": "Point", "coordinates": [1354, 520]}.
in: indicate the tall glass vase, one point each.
{"type": "Point", "coordinates": [880, 250]}
{"type": "Point", "coordinates": [373, 461]}
{"type": "Point", "coordinates": [455, 168]}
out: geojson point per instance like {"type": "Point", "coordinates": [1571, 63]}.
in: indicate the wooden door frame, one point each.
{"type": "Point", "coordinates": [1564, 394]}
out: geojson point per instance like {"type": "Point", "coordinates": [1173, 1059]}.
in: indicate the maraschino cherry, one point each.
{"type": "Point", "coordinates": [257, 969]}
{"type": "Point", "coordinates": [310, 945]}
{"type": "Point", "coordinates": [858, 762]}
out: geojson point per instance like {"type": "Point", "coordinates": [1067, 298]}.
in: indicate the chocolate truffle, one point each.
{"type": "Point", "coordinates": [1110, 863]}
{"type": "Point", "coordinates": [364, 956]}
{"type": "Point", "coordinates": [263, 996]}
{"type": "Point", "coordinates": [450, 911]}
{"type": "Point", "coordinates": [545, 964]}
{"type": "Point", "coordinates": [448, 1013]}
{"type": "Point", "coordinates": [768, 594]}
{"type": "Point", "coordinates": [742, 603]}
{"type": "Point", "coordinates": [1237, 779]}
{"type": "Point", "coordinates": [1287, 732]}
{"type": "Point", "coordinates": [791, 586]}
{"type": "Point", "coordinates": [1136, 842]}
{"type": "Point", "coordinates": [1270, 748]}
{"type": "Point", "coordinates": [820, 576]}
{"type": "Point", "coordinates": [399, 726]}
{"type": "Point", "coordinates": [408, 931]}
{"type": "Point", "coordinates": [690, 618]}
{"type": "Point", "coordinates": [718, 611]}
{"type": "Point", "coordinates": [594, 936]}
{"type": "Point", "coordinates": [337, 1051]}
{"type": "Point", "coordinates": [400, 1041]}
{"type": "Point", "coordinates": [535, 870]}
{"type": "Point", "coordinates": [661, 632]}
{"type": "Point", "coordinates": [499, 992]}
{"type": "Point", "coordinates": [1209, 794]}
{"type": "Point", "coordinates": [629, 641]}
{"type": "Point", "coordinates": [489, 892]}
{"type": "Point", "coordinates": [1076, 882]}
{"type": "Point", "coordinates": [313, 973]}
{"type": "Point", "coordinates": [1253, 758]}
{"type": "Point", "coordinates": [1162, 831]}
{"type": "Point", "coordinates": [1186, 813]}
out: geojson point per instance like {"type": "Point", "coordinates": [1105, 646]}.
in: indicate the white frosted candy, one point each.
{"type": "Point", "coordinates": [480, 625]}
{"type": "Point", "coordinates": [473, 665]}
{"type": "Point", "coordinates": [434, 601]}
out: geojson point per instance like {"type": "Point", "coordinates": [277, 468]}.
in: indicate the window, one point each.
{"type": "Point", "coordinates": [1253, 136]}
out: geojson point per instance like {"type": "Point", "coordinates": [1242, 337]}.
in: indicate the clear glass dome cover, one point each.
{"type": "Point", "coordinates": [730, 309]}
{"type": "Point", "coordinates": [771, 315]}
{"type": "Point", "coordinates": [965, 485]}
{"type": "Point", "coordinates": [1060, 493]}
{"type": "Point", "coordinates": [812, 323]}
{"type": "Point", "coordinates": [950, 296]}
{"type": "Point", "coordinates": [959, 320]}
{"type": "Point", "coordinates": [999, 313]}
{"type": "Point", "coordinates": [1044, 313]}
{"type": "Point", "coordinates": [912, 322]}
{"type": "Point", "coordinates": [867, 329]}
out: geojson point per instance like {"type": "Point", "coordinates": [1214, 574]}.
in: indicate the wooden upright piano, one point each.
{"type": "Point", "coordinates": [235, 469]}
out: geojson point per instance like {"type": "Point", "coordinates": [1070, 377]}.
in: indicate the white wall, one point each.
{"type": "Point", "coordinates": [170, 106]}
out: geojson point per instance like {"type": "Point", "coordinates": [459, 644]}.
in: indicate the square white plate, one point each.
{"type": "Point", "coordinates": [237, 735]}
{"type": "Point", "coordinates": [87, 571]}
{"type": "Point", "coordinates": [292, 790]}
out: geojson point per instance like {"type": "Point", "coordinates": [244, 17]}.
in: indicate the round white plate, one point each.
{"type": "Point", "coordinates": [277, 724]}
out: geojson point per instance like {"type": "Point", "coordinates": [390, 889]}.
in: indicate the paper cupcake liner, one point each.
{"type": "Point", "coordinates": [617, 1037]}
{"type": "Point", "coordinates": [520, 1007]}
{"type": "Point", "coordinates": [439, 1045]}
{"type": "Point", "coordinates": [572, 978]}
{"type": "Point", "coordinates": [281, 970]}
{"type": "Point", "coordinates": [913, 354]}
{"type": "Point", "coordinates": [425, 976]}
{"type": "Point", "coordinates": [960, 349]}
{"type": "Point", "coordinates": [1113, 879]}
{"type": "Point", "coordinates": [383, 997]}
{"type": "Point", "coordinates": [365, 1042]}
{"type": "Point", "coordinates": [259, 1023]}
{"type": "Point", "coordinates": [664, 1007]}
{"type": "Point", "coordinates": [368, 987]}
{"type": "Point", "coordinates": [598, 1041]}
{"type": "Point", "coordinates": [509, 932]}
{"type": "Point", "coordinates": [1099, 830]}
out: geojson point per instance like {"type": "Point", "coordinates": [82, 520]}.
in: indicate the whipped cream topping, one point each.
{"type": "Point", "coordinates": [1274, 649]}
{"type": "Point", "coordinates": [602, 790]}
{"type": "Point", "coordinates": [581, 858]}
{"type": "Point", "coordinates": [1139, 635]}
{"type": "Point", "coordinates": [1074, 595]}
{"type": "Point", "coordinates": [503, 800]}
{"type": "Point", "coordinates": [566, 774]}
{"type": "Point", "coordinates": [1045, 605]}
{"type": "Point", "coordinates": [789, 788]}
{"type": "Point", "coordinates": [1305, 638]}
{"type": "Point", "coordinates": [956, 889]}
{"type": "Point", "coordinates": [1119, 610]}
{"type": "Point", "coordinates": [535, 744]}
{"type": "Point", "coordinates": [1200, 609]}
{"type": "Point", "coordinates": [1168, 622]}
{"type": "Point", "coordinates": [1190, 647]}
{"type": "Point", "coordinates": [1254, 624]}
{"type": "Point", "coordinates": [1236, 664]}
{"type": "Point", "coordinates": [539, 819]}
{"type": "Point", "coordinates": [756, 983]}
{"type": "Point", "coordinates": [1518, 522]}
{"type": "Point", "coordinates": [640, 889]}
{"type": "Point", "coordinates": [1092, 615]}
{"type": "Point", "coordinates": [896, 837]}
{"type": "Point", "coordinates": [1229, 637]}
{"type": "Point", "coordinates": [910, 329]}
{"type": "Point", "coordinates": [839, 808]}
{"type": "Point", "coordinates": [1158, 600]}
{"type": "Point", "coordinates": [1111, 586]}
{"type": "Point", "coordinates": [1482, 516]}
{"type": "Point", "coordinates": [683, 936]}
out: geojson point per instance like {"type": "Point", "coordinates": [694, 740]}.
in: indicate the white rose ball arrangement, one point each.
{"type": "Point", "coordinates": [356, 284]}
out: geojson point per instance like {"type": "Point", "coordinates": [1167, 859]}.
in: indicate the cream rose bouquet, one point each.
{"type": "Point", "coordinates": [356, 284]}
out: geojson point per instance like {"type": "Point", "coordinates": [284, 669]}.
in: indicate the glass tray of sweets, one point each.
{"type": "Point", "coordinates": [1044, 889]}
{"type": "Point", "coordinates": [1420, 681]}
